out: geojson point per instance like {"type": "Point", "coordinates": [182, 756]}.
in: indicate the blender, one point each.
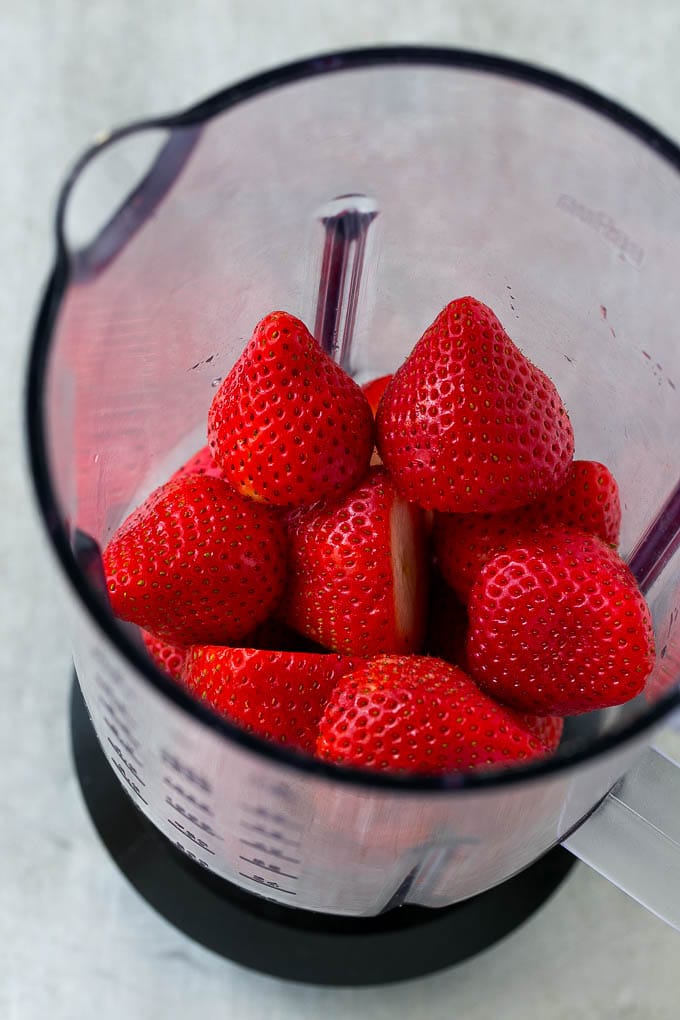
{"type": "Point", "coordinates": [360, 191]}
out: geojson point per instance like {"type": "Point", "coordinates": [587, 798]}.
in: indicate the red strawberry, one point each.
{"type": "Point", "coordinates": [374, 391]}
{"type": "Point", "coordinates": [548, 729]}
{"type": "Point", "coordinates": [169, 658]}
{"type": "Point", "coordinates": [418, 714]}
{"type": "Point", "coordinates": [588, 500]}
{"type": "Point", "coordinates": [447, 639]}
{"type": "Point", "coordinates": [201, 463]}
{"type": "Point", "coordinates": [272, 635]}
{"type": "Point", "coordinates": [197, 563]}
{"type": "Point", "coordinates": [558, 625]}
{"type": "Point", "coordinates": [468, 424]}
{"type": "Point", "coordinates": [288, 426]}
{"type": "Point", "coordinates": [278, 695]}
{"type": "Point", "coordinates": [357, 571]}
{"type": "Point", "coordinates": [447, 624]}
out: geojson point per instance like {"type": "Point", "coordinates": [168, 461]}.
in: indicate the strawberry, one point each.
{"type": "Point", "coordinates": [558, 625]}
{"type": "Point", "coordinates": [288, 426]}
{"type": "Point", "coordinates": [420, 714]}
{"type": "Point", "coordinates": [278, 695]}
{"type": "Point", "coordinates": [357, 571]}
{"type": "Point", "coordinates": [588, 499]}
{"type": "Point", "coordinates": [201, 463]}
{"type": "Point", "coordinates": [196, 563]}
{"type": "Point", "coordinates": [272, 635]}
{"type": "Point", "coordinates": [447, 628]}
{"type": "Point", "coordinates": [169, 658]}
{"type": "Point", "coordinates": [547, 728]}
{"type": "Point", "coordinates": [467, 423]}
{"type": "Point", "coordinates": [374, 390]}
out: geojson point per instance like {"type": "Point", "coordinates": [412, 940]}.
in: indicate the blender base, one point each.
{"type": "Point", "coordinates": [297, 945]}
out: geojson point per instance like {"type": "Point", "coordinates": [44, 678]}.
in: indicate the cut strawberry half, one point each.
{"type": "Point", "coordinates": [357, 571]}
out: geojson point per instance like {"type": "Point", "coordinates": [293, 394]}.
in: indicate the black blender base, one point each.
{"type": "Point", "coordinates": [297, 945]}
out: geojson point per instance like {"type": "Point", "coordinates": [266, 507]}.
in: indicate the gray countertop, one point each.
{"type": "Point", "coordinates": [75, 940]}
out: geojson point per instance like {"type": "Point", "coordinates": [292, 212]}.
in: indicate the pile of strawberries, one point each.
{"type": "Point", "coordinates": [412, 577]}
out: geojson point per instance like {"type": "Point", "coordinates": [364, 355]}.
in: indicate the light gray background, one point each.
{"type": "Point", "coordinates": [75, 940]}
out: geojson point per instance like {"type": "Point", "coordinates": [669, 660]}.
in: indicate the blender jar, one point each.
{"type": "Point", "coordinates": [363, 191]}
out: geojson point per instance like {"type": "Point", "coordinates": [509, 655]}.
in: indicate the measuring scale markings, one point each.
{"type": "Point", "coordinates": [275, 834]}
{"type": "Point", "coordinates": [269, 839]}
{"type": "Point", "coordinates": [121, 740]}
{"type": "Point", "coordinates": [273, 851]}
{"type": "Point", "coordinates": [271, 816]}
{"type": "Point", "coordinates": [190, 817]}
{"type": "Point", "coordinates": [128, 764]}
{"type": "Point", "coordinates": [173, 762]}
{"type": "Point", "coordinates": [122, 735]}
{"type": "Point", "coordinates": [185, 803]}
{"type": "Point", "coordinates": [111, 701]}
{"type": "Point", "coordinates": [187, 795]}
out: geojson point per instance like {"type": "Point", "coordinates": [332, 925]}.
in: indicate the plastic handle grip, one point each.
{"type": "Point", "coordinates": [633, 836]}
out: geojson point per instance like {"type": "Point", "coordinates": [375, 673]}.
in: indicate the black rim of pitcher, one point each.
{"type": "Point", "coordinates": [37, 371]}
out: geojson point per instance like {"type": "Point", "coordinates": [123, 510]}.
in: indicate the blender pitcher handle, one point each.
{"type": "Point", "coordinates": [633, 836]}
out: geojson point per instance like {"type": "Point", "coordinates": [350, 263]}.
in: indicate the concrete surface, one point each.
{"type": "Point", "coordinates": [75, 941]}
